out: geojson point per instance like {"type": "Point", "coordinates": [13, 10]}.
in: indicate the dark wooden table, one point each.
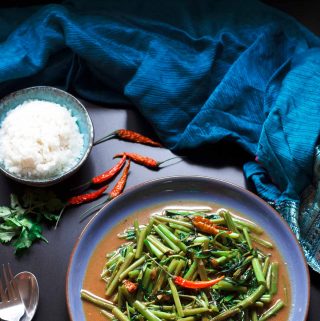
{"type": "Point", "coordinates": [49, 262]}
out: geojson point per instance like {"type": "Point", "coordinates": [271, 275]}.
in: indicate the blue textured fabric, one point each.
{"type": "Point", "coordinates": [199, 72]}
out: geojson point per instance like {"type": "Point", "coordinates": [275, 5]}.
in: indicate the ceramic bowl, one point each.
{"type": "Point", "coordinates": [62, 98]}
{"type": "Point", "coordinates": [173, 191]}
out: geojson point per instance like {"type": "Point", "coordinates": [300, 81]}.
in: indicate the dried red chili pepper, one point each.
{"type": "Point", "coordinates": [205, 225]}
{"type": "Point", "coordinates": [178, 280]}
{"type": "Point", "coordinates": [105, 176]}
{"type": "Point", "coordinates": [130, 286]}
{"type": "Point", "coordinates": [83, 198]}
{"type": "Point", "coordinates": [139, 159]}
{"type": "Point", "coordinates": [118, 188]}
{"type": "Point", "coordinates": [143, 160]}
{"type": "Point", "coordinates": [219, 227]}
{"type": "Point", "coordinates": [109, 174]}
{"type": "Point", "coordinates": [130, 136]}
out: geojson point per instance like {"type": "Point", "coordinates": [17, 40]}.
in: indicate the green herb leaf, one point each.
{"type": "Point", "coordinates": [21, 222]}
{"type": "Point", "coordinates": [30, 232]}
{"type": "Point", "coordinates": [7, 232]}
{"type": "Point", "coordinates": [6, 236]}
{"type": "Point", "coordinates": [5, 227]}
{"type": "Point", "coordinates": [13, 222]}
{"type": "Point", "coordinates": [23, 241]}
{"type": "Point", "coordinates": [5, 211]}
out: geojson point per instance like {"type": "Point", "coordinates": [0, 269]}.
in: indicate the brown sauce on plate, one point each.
{"type": "Point", "coordinates": [93, 283]}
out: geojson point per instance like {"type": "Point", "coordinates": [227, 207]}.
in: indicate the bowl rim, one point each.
{"type": "Point", "coordinates": [236, 187]}
{"type": "Point", "coordinates": [44, 182]}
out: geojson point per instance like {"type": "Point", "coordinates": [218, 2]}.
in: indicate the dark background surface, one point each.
{"type": "Point", "coordinates": [49, 262]}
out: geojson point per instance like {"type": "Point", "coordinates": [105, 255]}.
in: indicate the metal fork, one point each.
{"type": "Point", "coordinates": [11, 305]}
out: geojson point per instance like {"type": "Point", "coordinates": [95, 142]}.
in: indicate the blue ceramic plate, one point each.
{"type": "Point", "coordinates": [200, 189]}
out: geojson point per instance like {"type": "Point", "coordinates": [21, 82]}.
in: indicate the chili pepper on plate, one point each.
{"type": "Point", "coordinates": [205, 225]}
{"type": "Point", "coordinates": [178, 280]}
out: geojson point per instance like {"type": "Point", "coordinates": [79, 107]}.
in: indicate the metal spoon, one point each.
{"type": "Point", "coordinates": [29, 292]}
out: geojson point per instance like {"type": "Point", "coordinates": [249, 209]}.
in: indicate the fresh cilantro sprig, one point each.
{"type": "Point", "coordinates": [21, 222]}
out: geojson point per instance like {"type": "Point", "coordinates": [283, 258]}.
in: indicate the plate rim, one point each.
{"type": "Point", "coordinates": [236, 187]}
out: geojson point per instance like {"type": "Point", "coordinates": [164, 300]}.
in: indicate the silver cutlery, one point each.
{"type": "Point", "coordinates": [11, 305]}
{"type": "Point", "coordinates": [29, 292]}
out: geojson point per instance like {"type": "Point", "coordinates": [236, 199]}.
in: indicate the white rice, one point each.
{"type": "Point", "coordinates": [39, 139]}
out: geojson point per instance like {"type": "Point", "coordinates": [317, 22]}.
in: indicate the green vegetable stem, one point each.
{"type": "Point", "coordinates": [190, 266]}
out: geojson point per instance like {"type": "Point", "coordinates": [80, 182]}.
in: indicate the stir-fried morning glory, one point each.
{"type": "Point", "coordinates": [190, 265]}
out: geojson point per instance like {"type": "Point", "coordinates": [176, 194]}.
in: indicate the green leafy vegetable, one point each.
{"type": "Point", "coordinates": [214, 272]}
{"type": "Point", "coordinates": [21, 222]}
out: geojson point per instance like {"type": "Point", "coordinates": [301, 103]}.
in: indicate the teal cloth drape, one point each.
{"type": "Point", "coordinates": [199, 71]}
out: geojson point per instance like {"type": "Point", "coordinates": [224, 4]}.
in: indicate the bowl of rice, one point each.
{"type": "Point", "coordinates": [46, 134]}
